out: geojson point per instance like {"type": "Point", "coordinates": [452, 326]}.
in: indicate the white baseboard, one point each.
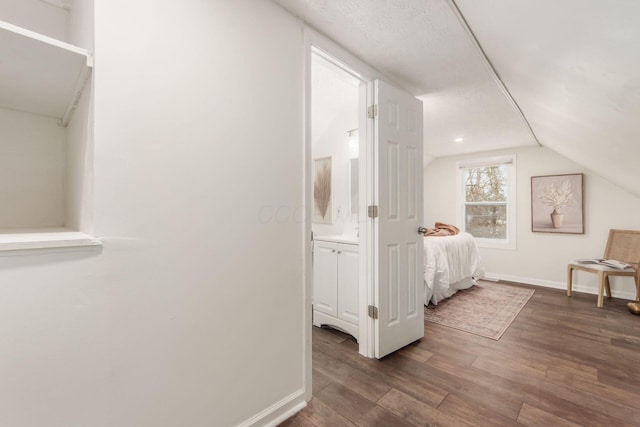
{"type": "Point", "coordinates": [576, 287]}
{"type": "Point", "coordinates": [278, 412]}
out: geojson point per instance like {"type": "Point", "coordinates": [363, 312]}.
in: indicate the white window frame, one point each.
{"type": "Point", "coordinates": [509, 161]}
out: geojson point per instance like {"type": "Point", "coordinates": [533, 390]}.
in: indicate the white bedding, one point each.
{"type": "Point", "coordinates": [450, 264]}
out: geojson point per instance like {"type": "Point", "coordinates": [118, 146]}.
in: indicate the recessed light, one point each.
{"type": "Point", "coordinates": [459, 139]}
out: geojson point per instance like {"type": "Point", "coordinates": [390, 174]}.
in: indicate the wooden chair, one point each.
{"type": "Point", "coordinates": [622, 245]}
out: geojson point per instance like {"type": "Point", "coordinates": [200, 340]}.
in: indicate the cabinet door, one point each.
{"type": "Point", "coordinates": [348, 283]}
{"type": "Point", "coordinates": [325, 277]}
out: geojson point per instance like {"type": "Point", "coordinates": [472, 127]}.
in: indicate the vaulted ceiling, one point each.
{"type": "Point", "coordinates": [572, 68]}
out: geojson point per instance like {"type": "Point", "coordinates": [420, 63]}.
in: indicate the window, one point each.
{"type": "Point", "coordinates": [487, 201]}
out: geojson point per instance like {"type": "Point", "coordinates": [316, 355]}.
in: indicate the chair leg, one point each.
{"type": "Point", "coordinates": [607, 286]}
{"type": "Point", "coordinates": [601, 277]}
{"type": "Point", "coordinates": [637, 279]}
{"type": "Point", "coordinates": [569, 279]}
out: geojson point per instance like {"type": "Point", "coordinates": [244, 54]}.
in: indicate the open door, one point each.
{"type": "Point", "coordinates": [398, 277]}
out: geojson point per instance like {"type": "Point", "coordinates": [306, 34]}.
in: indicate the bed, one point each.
{"type": "Point", "coordinates": [451, 263]}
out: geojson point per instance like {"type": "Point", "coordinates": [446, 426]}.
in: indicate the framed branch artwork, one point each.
{"type": "Point", "coordinates": [354, 190]}
{"type": "Point", "coordinates": [322, 191]}
{"type": "Point", "coordinates": [557, 203]}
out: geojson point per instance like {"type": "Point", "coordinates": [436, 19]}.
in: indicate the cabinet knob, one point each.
{"type": "Point", "coordinates": [333, 250]}
{"type": "Point", "coordinates": [339, 252]}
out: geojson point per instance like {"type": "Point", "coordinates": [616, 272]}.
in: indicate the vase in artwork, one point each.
{"type": "Point", "coordinates": [556, 218]}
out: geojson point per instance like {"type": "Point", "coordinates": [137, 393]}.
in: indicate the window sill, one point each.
{"type": "Point", "coordinates": [18, 241]}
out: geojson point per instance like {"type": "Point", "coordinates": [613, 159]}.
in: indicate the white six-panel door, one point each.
{"type": "Point", "coordinates": [397, 246]}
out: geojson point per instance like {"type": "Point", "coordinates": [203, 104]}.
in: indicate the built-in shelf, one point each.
{"type": "Point", "coordinates": [41, 75]}
{"type": "Point", "coordinates": [33, 239]}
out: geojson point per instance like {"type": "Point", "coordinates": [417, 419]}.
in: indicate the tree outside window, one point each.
{"type": "Point", "coordinates": [485, 204]}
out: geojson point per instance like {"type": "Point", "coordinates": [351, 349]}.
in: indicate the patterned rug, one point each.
{"type": "Point", "coordinates": [486, 309]}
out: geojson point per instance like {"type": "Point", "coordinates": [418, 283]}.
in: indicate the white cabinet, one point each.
{"type": "Point", "coordinates": [335, 285]}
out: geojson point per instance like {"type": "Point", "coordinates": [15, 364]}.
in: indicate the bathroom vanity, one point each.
{"type": "Point", "coordinates": [335, 283]}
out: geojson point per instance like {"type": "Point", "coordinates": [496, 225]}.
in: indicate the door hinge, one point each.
{"type": "Point", "coordinates": [372, 211]}
{"type": "Point", "coordinates": [372, 111]}
{"type": "Point", "coordinates": [373, 312]}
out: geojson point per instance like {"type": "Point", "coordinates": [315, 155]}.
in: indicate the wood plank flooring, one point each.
{"type": "Point", "coordinates": [562, 362]}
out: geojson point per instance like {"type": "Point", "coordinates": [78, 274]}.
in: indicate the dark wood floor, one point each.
{"type": "Point", "coordinates": [561, 362]}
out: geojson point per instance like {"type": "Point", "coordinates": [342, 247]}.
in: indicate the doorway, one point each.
{"type": "Point", "coordinates": [388, 309]}
{"type": "Point", "coordinates": [337, 113]}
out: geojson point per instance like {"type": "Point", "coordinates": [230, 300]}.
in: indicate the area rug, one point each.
{"type": "Point", "coordinates": [486, 309]}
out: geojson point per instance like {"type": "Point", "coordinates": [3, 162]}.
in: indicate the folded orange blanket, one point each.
{"type": "Point", "coordinates": [442, 229]}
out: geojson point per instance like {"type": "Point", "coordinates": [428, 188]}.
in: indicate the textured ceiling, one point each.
{"type": "Point", "coordinates": [421, 45]}
{"type": "Point", "coordinates": [572, 66]}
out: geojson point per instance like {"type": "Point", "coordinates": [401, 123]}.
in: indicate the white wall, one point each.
{"type": "Point", "coordinates": [81, 24]}
{"type": "Point", "coordinates": [36, 15]}
{"type": "Point", "coordinates": [541, 258]}
{"type": "Point", "coordinates": [198, 125]}
{"type": "Point", "coordinates": [32, 174]}
{"type": "Point", "coordinates": [192, 313]}
{"type": "Point", "coordinates": [79, 132]}
{"type": "Point", "coordinates": [32, 148]}
{"type": "Point", "coordinates": [79, 166]}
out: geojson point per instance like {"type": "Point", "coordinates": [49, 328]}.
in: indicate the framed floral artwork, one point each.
{"type": "Point", "coordinates": [557, 204]}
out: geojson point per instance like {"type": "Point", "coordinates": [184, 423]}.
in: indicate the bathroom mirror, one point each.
{"type": "Point", "coordinates": [354, 195]}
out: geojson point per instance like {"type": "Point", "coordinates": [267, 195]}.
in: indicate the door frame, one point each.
{"type": "Point", "coordinates": [316, 43]}
{"type": "Point", "coordinates": [365, 194]}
